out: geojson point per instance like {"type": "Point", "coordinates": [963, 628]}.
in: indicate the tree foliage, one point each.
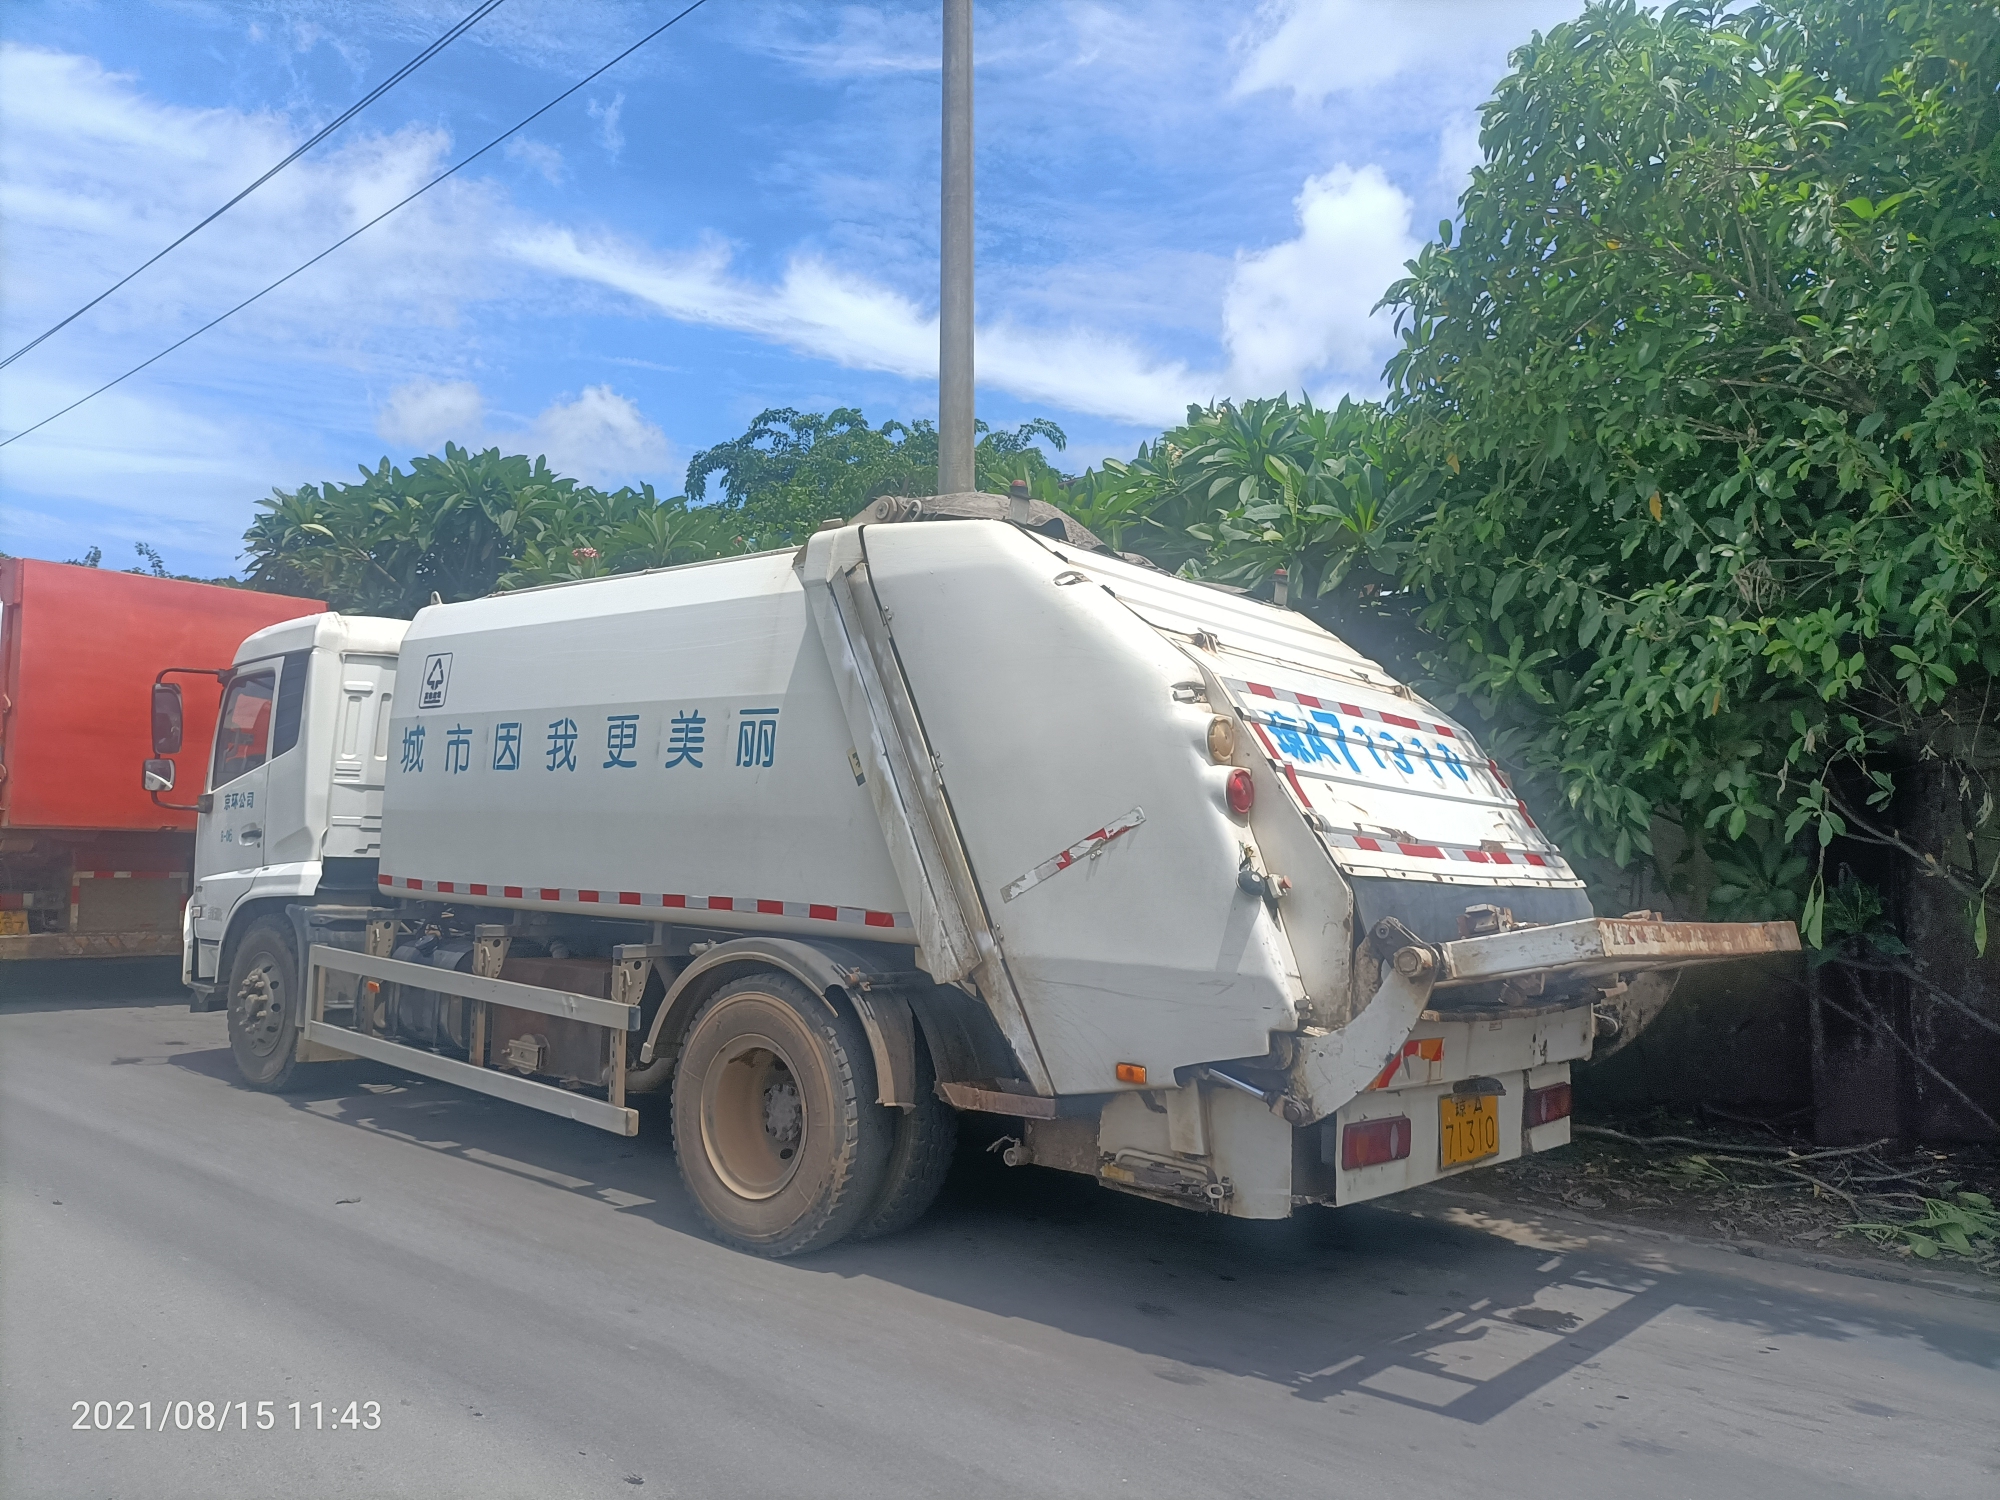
{"type": "Point", "coordinates": [791, 470]}
{"type": "Point", "coordinates": [465, 524]}
{"type": "Point", "coordinates": [1708, 373]}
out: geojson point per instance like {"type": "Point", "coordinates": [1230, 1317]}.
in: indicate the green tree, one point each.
{"type": "Point", "coordinates": [1707, 381]}
{"type": "Point", "coordinates": [791, 470]}
{"type": "Point", "coordinates": [463, 525]}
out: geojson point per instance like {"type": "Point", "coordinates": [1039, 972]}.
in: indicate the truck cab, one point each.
{"type": "Point", "coordinates": [291, 806]}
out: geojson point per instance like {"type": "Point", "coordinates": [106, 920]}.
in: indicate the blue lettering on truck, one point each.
{"type": "Point", "coordinates": [562, 745]}
{"type": "Point", "coordinates": [621, 737]}
{"type": "Point", "coordinates": [757, 737]}
{"type": "Point", "coordinates": [685, 736]}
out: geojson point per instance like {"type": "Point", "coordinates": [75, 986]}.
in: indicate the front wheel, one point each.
{"type": "Point", "coordinates": [779, 1138]}
{"type": "Point", "coordinates": [264, 1006]}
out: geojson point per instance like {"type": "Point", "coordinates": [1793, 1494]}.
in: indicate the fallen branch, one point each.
{"type": "Point", "coordinates": [1710, 1148]}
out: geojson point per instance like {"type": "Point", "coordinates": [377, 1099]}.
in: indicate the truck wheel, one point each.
{"type": "Point", "coordinates": [264, 1006]}
{"type": "Point", "coordinates": [919, 1158]}
{"type": "Point", "coordinates": [776, 1128]}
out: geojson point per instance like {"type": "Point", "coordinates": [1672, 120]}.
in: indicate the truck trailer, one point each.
{"type": "Point", "coordinates": [92, 865]}
{"type": "Point", "coordinates": [949, 810]}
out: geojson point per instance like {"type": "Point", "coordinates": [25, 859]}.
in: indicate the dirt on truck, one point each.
{"type": "Point", "coordinates": [92, 864]}
{"type": "Point", "coordinates": [950, 810]}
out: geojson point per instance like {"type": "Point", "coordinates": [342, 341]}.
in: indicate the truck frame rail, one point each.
{"type": "Point", "coordinates": [621, 1020]}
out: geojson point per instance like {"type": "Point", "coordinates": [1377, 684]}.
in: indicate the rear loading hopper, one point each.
{"type": "Point", "coordinates": [1215, 908]}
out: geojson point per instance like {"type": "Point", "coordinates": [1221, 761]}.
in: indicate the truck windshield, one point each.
{"type": "Point", "coordinates": [243, 735]}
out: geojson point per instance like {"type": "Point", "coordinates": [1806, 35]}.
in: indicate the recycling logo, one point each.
{"type": "Point", "coordinates": [437, 680]}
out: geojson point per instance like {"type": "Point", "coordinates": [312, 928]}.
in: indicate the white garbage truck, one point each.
{"type": "Point", "coordinates": [949, 810]}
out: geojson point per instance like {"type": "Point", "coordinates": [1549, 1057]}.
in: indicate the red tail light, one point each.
{"type": "Point", "coordinates": [1369, 1143]}
{"type": "Point", "coordinates": [1543, 1106]}
{"type": "Point", "coordinates": [1242, 793]}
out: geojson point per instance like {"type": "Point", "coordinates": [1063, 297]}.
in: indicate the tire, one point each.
{"type": "Point", "coordinates": [919, 1157]}
{"type": "Point", "coordinates": [264, 1005]}
{"type": "Point", "coordinates": [779, 1138]}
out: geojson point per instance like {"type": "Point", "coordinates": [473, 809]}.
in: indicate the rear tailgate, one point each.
{"type": "Point", "coordinates": [1392, 787]}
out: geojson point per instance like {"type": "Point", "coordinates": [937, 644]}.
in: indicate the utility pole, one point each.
{"type": "Point", "coordinates": [955, 434]}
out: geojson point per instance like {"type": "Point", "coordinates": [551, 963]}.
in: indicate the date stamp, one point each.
{"type": "Point", "coordinates": [244, 1415]}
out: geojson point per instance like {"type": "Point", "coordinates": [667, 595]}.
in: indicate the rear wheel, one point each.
{"type": "Point", "coordinates": [776, 1128]}
{"type": "Point", "coordinates": [264, 1006]}
{"type": "Point", "coordinates": [919, 1158]}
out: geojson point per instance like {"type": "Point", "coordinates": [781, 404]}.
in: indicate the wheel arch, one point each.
{"type": "Point", "coordinates": [245, 916]}
{"type": "Point", "coordinates": [843, 979]}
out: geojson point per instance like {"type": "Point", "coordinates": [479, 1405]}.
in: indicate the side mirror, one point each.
{"type": "Point", "coordinates": [158, 776]}
{"type": "Point", "coordinates": [166, 723]}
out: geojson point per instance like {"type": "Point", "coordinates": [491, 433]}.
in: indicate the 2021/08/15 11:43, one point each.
{"type": "Point", "coordinates": [214, 1416]}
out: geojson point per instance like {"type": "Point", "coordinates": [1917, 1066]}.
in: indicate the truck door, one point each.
{"type": "Point", "coordinates": [360, 757]}
{"type": "Point", "coordinates": [229, 841]}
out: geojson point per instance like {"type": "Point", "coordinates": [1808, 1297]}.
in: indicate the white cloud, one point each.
{"type": "Point", "coordinates": [423, 414]}
{"type": "Point", "coordinates": [821, 310]}
{"type": "Point", "coordinates": [1322, 48]}
{"type": "Point", "coordinates": [95, 176]}
{"type": "Point", "coordinates": [601, 437]}
{"type": "Point", "coordinates": [539, 155]}
{"type": "Point", "coordinates": [1301, 309]}
{"type": "Point", "coordinates": [609, 135]}
{"type": "Point", "coordinates": [1458, 152]}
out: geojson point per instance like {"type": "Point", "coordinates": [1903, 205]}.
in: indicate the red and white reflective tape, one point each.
{"type": "Point", "coordinates": [77, 877]}
{"type": "Point", "coordinates": [1484, 854]}
{"type": "Point", "coordinates": [1352, 710]}
{"type": "Point", "coordinates": [1088, 847]}
{"type": "Point", "coordinates": [854, 916]}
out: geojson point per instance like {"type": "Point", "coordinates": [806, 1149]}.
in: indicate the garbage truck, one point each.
{"type": "Point", "coordinates": [949, 810]}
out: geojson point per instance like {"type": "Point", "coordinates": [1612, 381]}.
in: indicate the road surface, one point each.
{"type": "Point", "coordinates": [441, 1295]}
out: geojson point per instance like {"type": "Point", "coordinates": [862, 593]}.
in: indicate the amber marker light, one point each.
{"type": "Point", "coordinates": [1130, 1073]}
{"type": "Point", "coordinates": [1221, 740]}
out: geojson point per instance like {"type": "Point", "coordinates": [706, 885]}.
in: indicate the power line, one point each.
{"type": "Point", "coordinates": [447, 172]}
{"type": "Point", "coordinates": [352, 110]}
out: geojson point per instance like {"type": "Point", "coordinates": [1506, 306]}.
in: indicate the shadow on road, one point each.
{"type": "Point", "coordinates": [86, 983]}
{"type": "Point", "coordinates": [1440, 1316]}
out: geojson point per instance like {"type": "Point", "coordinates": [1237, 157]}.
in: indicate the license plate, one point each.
{"type": "Point", "coordinates": [1468, 1128]}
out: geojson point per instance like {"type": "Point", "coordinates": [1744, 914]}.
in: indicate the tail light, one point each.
{"type": "Point", "coordinates": [1369, 1143]}
{"type": "Point", "coordinates": [1545, 1106]}
{"type": "Point", "coordinates": [1242, 793]}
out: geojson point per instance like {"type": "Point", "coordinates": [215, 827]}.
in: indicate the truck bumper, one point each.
{"type": "Point", "coordinates": [90, 945]}
{"type": "Point", "coordinates": [1422, 1136]}
{"type": "Point", "coordinates": [1517, 1052]}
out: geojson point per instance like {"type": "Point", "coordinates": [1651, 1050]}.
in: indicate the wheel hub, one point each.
{"type": "Point", "coordinates": [259, 1008]}
{"type": "Point", "coordinates": [753, 1117]}
{"type": "Point", "coordinates": [784, 1120]}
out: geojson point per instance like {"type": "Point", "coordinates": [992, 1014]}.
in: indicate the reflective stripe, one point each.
{"type": "Point", "coordinates": [853, 916]}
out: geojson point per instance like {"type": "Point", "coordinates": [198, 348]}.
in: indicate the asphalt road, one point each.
{"type": "Point", "coordinates": [536, 1311]}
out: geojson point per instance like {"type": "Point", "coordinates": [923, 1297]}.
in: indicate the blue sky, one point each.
{"type": "Point", "coordinates": [1177, 201]}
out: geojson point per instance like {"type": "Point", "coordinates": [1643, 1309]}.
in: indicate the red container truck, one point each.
{"type": "Point", "coordinates": [91, 864]}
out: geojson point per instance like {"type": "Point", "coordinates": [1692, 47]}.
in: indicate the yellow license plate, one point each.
{"type": "Point", "coordinates": [1468, 1128]}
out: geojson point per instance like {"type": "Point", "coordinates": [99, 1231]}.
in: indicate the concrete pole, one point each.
{"type": "Point", "coordinates": [955, 434]}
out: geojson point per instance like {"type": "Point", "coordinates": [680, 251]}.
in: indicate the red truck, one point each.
{"type": "Point", "coordinates": [92, 865]}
